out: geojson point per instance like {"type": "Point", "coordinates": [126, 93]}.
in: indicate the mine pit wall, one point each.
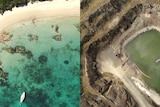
{"type": "Point", "coordinates": [107, 39]}
{"type": "Point", "coordinates": [102, 14]}
{"type": "Point", "coordinates": [91, 53]}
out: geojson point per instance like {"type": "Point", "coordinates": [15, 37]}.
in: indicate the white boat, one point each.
{"type": "Point", "coordinates": [23, 95]}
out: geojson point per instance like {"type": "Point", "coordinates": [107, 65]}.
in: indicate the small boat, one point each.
{"type": "Point", "coordinates": [23, 95]}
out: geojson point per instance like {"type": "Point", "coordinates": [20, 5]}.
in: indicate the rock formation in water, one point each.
{"type": "Point", "coordinates": [3, 78]}
{"type": "Point", "coordinates": [77, 26]}
{"type": "Point", "coordinates": [66, 62]}
{"type": "Point", "coordinates": [32, 37]}
{"type": "Point", "coordinates": [42, 59]}
{"type": "Point", "coordinates": [57, 28]}
{"type": "Point", "coordinates": [19, 49]}
{"type": "Point", "coordinates": [57, 37]}
{"type": "Point", "coordinates": [100, 26]}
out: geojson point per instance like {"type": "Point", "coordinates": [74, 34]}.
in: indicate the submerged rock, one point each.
{"type": "Point", "coordinates": [29, 54]}
{"type": "Point", "coordinates": [63, 104]}
{"type": "Point", "coordinates": [58, 94]}
{"type": "Point", "coordinates": [66, 62]}
{"type": "Point", "coordinates": [19, 49]}
{"type": "Point", "coordinates": [40, 98]}
{"type": "Point", "coordinates": [52, 26]}
{"type": "Point", "coordinates": [3, 77]}
{"type": "Point", "coordinates": [57, 37]}
{"type": "Point", "coordinates": [32, 37]}
{"type": "Point", "coordinates": [43, 59]}
{"type": "Point", "coordinates": [77, 26]}
{"type": "Point", "coordinates": [3, 74]}
{"type": "Point", "coordinates": [56, 28]}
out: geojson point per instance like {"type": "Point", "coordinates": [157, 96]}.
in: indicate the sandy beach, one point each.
{"type": "Point", "coordinates": [55, 9]}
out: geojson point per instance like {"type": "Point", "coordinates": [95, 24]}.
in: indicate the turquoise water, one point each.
{"type": "Point", "coordinates": [50, 77]}
{"type": "Point", "coordinates": [144, 50]}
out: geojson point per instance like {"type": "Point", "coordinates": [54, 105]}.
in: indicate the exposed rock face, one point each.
{"type": "Point", "coordinates": [107, 38]}
{"type": "Point", "coordinates": [117, 94]}
{"type": "Point", "coordinates": [120, 96]}
{"type": "Point", "coordinates": [90, 100]}
{"type": "Point", "coordinates": [97, 32]}
{"type": "Point", "coordinates": [97, 19]}
{"type": "Point", "coordinates": [102, 85]}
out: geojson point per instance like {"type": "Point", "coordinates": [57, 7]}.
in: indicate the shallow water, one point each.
{"type": "Point", "coordinates": [144, 50]}
{"type": "Point", "coordinates": [50, 77]}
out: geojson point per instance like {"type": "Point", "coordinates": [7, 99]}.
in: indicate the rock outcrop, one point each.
{"type": "Point", "coordinates": [19, 49]}
{"type": "Point", "coordinates": [99, 28]}
{"type": "Point", "coordinates": [3, 77]}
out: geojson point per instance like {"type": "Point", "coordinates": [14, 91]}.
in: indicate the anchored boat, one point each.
{"type": "Point", "coordinates": [23, 95]}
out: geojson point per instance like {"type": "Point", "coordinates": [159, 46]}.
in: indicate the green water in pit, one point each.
{"type": "Point", "coordinates": [144, 50]}
{"type": "Point", "coordinates": [50, 77]}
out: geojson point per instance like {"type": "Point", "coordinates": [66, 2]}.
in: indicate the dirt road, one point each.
{"type": "Point", "coordinates": [108, 62]}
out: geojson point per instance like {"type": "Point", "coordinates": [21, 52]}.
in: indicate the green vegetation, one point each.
{"type": "Point", "coordinates": [9, 4]}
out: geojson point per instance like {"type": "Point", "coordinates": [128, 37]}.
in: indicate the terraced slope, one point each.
{"type": "Point", "coordinates": [102, 23]}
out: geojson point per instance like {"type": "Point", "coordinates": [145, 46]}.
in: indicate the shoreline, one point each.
{"type": "Point", "coordinates": [118, 47]}
{"type": "Point", "coordinates": [38, 10]}
{"type": "Point", "coordinates": [144, 88]}
{"type": "Point", "coordinates": [148, 28]}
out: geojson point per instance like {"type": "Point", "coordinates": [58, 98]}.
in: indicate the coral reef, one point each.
{"type": "Point", "coordinates": [42, 59]}
{"type": "Point", "coordinates": [19, 49]}
{"type": "Point", "coordinates": [57, 37]}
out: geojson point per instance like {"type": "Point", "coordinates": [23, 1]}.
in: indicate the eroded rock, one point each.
{"type": "Point", "coordinates": [19, 49]}
{"type": "Point", "coordinates": [42, 59]}
{"type": "Point", "coordinates": [57, 37]}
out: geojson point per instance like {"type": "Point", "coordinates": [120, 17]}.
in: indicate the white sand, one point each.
{"type": "Point", "coordinates": [109, 63]}
{"type": "Point", "coordinates": [55, 8]}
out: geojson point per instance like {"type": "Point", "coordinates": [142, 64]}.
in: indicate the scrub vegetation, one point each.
{"type": "Point", "coordinates": [9, 4]}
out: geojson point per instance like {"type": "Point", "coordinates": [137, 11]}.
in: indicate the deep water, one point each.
{"type": "Point", "coordinates": [46, 69]}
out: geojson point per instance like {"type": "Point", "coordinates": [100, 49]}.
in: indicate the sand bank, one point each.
{"type": "Point", "coordinates": [55, 9]}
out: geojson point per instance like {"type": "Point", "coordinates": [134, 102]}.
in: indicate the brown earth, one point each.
{"type": "Point", "coordinates": [103, 22]}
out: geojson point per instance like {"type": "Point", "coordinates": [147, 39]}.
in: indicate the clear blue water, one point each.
{"type": "Point", "coordinates": [52, 83]}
